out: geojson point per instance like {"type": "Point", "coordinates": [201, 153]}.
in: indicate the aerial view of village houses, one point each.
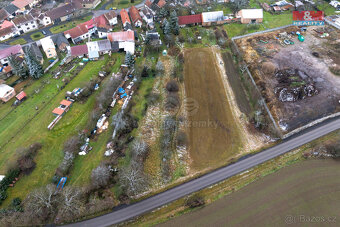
{"type": "Point", "coordinates": [169, 113]}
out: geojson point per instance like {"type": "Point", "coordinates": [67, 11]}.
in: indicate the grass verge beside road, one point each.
{"type": "Point", "coordinates": [269, 21]}
{"type": "Point", "coordinates": [18, 41]}
{"type": "Point", "coordinates": [69, 25]}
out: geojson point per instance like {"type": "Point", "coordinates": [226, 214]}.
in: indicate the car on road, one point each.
{"type": "Point", "coordinates": [43, 32]}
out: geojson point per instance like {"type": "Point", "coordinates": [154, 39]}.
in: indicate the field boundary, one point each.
{"type": "Point", "coordinates": [297, 130]}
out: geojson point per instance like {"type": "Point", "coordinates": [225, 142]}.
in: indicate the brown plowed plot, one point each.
{"type": "Point", "coordinates": [213, 134]}
{"type": "Point", "coordinates": [310, 189]}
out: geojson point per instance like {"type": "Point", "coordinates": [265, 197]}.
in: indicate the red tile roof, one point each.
{"type": "Point", "coordinates": [102, 22]}
{"type": "Point", "coordinates": [77, 31]}
{"type": "Point", "coordinates": [161, 3]}
{"type": "Point", "coordinates": [22, 19]}
{"type": "Point", "coordinates": [125, 16]}
{"type": "Point", "coordinates": [79, 50]}
{"type": "Point", "coordinates": [191, 19]}
{"type": "Point", "coordinates": [66, 103]}
{"type": "Point", "coordinates": [13, 50]}
{"type": "Point", "coordinates": [58, 111]}
{"type": "Point", "coordinates": [7, 30]}
{"type": "Point", "coordinates": [134, 14]}
{"type": "Point", "coordinates": [110, 15]}
{"type": "Point", "coordinates": [21, 95]}
{"type": "Point", "coordinates": [121, 36]}
{"type": "Point", "coordinates": [21, 3]}
{"type": "Point", "coordinates": [148, 3]}
{"type": "Point", "coordinates": [6, 24]}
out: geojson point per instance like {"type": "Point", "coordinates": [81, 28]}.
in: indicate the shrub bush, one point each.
{"type": "Point", "coordinates": [172, 86]}
{"type": "Point", "coordinates": [195, 201]}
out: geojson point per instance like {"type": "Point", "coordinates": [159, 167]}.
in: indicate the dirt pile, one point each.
{"type": "Point", "coordinates": [294, 85]}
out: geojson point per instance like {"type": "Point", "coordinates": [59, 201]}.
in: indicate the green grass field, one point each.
{"type": "Point", "coordinates": [269, 21]}
{"type": "Point", "coordinates": [83, 165]}
{"type": "Point", "coordinates": [36, 130]}
{"type": "Point", "coordinates": [69, 25]}
{"type": "Point", "coordinates": [18, 41]}
{"type": "Point", "coordinates": [36, 36]}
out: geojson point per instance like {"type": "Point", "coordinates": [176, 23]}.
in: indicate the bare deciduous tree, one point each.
{"type": "Point", "coordinates": [70, 202]}
{"type": "Point", "coordinates": [41, 203]}
{"type": "Point", "coordinates": [140, 149]}
{"type": "Point", "coordinates": [101, 176]}
{"type": "Point", "coordinates": [72, 145]}
{"type": "Point", "coordinates": [133, 179]}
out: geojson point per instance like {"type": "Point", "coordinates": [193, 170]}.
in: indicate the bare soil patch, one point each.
{"type": "Point", "coordinates": [298, 81]}
{"type": "Point", "coordinates": [214, 136]}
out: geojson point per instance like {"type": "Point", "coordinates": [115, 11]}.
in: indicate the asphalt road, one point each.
{"type": "Point", "coordinates": [209, 179]}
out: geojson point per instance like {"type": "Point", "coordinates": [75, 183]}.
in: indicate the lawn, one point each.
{"type": "Point", "coordinates": [51, 153]}
{"type": "Point", "coordinates": [36, 36]}
{"type": "Point", "coordinates": [84, 165]}
{"type": "Point", "coordinates": [269, 21]}
{"type": "Point", "coordinates": [69, 25]}
{"type": "Point", "coordinates": [121, 4]}
{"type": "Point", "coordinates": [327, 9]}
{"type": "Point", "coordinates": [18, 41]}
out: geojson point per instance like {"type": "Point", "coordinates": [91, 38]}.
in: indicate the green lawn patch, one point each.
{"type": "Point", "coordinates": [327, 9]}
{"type": "Point", "coordinates": [269, 21]}
{"type": "Point", "coordinates": [37, 36]}
{"type": "Point", "coordinates": [18, 41]}
{"type": "Point", "coordinates": [69, 25]}
{"type": "Point", "coordinates": [36, 130]}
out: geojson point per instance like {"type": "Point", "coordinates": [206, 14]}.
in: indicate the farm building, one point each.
{"type": "Point", "coordinates": [212, 18]}
{"type": "Point", "coordinates": [48, 47]}
{"type": "Point", "coordinates": [6, 92]}
{"type": "Point", "coordinates": [135, 17]}
{"type": "Point", "coordinates": [78, 51]}
{"type": "Point", "coordinates": [250, 16]}
{"type": "Point", "coordinates": [126, 40]}
{"type": "Point", "coordinates": [190, 20]}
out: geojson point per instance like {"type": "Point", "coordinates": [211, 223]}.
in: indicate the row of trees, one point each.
{"type": "Point", "coordinates": [31, 67]}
